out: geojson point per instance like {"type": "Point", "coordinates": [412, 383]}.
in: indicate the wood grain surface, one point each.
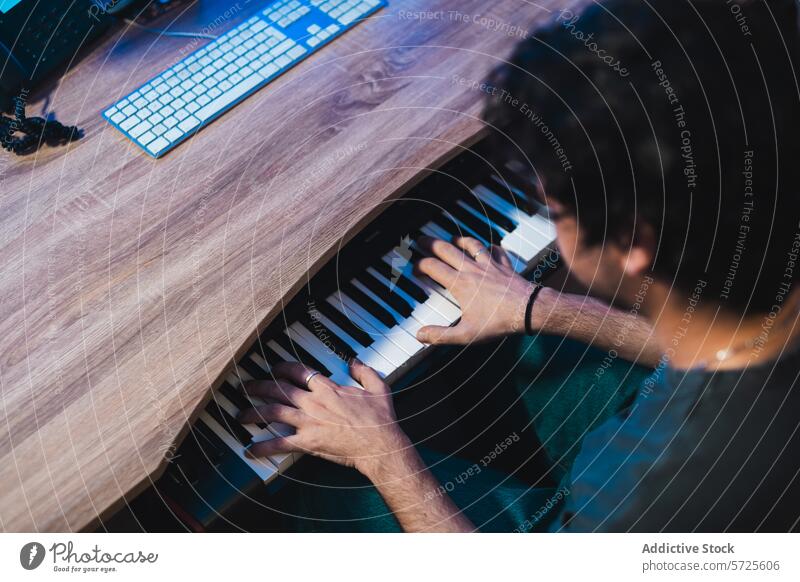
{"type": "Point", "coordinates": [128, 286]}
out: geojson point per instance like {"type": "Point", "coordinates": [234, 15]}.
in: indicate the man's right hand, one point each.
{"type": "Point", "coordinates": [492, 296]}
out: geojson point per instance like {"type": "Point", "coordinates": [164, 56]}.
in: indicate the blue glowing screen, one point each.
{"type": "Point", "coordinates": [6, 5]}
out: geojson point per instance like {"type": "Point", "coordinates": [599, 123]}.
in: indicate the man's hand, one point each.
{"type": "Point", "coordinates": [492, 296]}
{"type": "Point", "coordinates": [344, 424]}
{"type": "Point", "coordinates": [357, 428]}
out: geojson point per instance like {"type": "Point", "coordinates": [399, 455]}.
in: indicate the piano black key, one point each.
{"type": "Point", "coordinates": [506, 192]}
{"type": "Point", "coordinates": [239, 400]}
{"type": "Point", "coordinates": [415, 291]}
{"type": "Point", "coordinates": [370, 305]}
{"type": "Point", "coordinates": [344, 323]}
{"type": "Point", "coordinates": [483, 229]}
{"type": "Point", "coordinates": [296, 351]}
{"type": "Point", "coordinates": [403, 282]}
{"type": "Point", "coordinates": [228, 423]}
{"type": "Point", "coordinates": [253, 369]}
{"type": "Point", "coordinates": [492, 214]}
{"type": "Point", "coordinates": [267, 352]}
{"type": "Point", "coordinates": [416, 256]}
{"type": "Point", "coordinates": [235, 396]}
{"type": "Point", "coordinates": [328, 337]}
{"type": "Point", "coordinates": [446, 224]}
{"type": "Point", "coordinates": [392, 299]}
{"type": "Point", "coordinates": [506, 188]}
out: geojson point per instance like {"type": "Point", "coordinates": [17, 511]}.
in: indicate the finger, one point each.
{"type": "Point", "coordinates": [438, 271]}
{"type": "Point", "coordinates": [443, 250]}
{"type": "Point", "coordinates": [280, 391]}
{"type": "Point", "coordinates": [367, 377]}
{"type": "Point", "coordinates": [270, 413]}
{"type": "Point", "coordinates": [272, 447]}
{"type": "Point", "coordinates": [473, 247]}
{"type": "Point", "coordinates": [437, 335]}
{"type": "Point", "coordinates": [500, 255]}
{"type": "Point", "coordinates": [297, 373]}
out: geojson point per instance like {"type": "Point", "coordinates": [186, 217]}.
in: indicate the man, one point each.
{"type": "Point", "coordinates": [678, 204]}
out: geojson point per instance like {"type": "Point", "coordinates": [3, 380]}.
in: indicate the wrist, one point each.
{"type": "Point", "coordinates": [541, 314]}
{"type": "Point", "coordinates": [532, 317]}
{"type": "Point", "coordinates": [390, 460]}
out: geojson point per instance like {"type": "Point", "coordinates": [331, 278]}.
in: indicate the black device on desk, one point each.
{"type": "Point", "coordinates": [39, 39]}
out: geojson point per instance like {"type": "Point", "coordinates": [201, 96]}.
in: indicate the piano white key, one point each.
{"type": "Point", "coordinates": [532, 226]}
{"type": "Point", "coordinates": [513, 241]}
{"type": "Point", "coordinates": [539, 230]}
{"type": "Point", "coordinates": [260, 362]}
{"type": "Point", "coordinates": [393, 347]}
{"type": "Point", "coordinates": [428, 285]}
{"type": "Point", "coordinates": [283, 430]}
{"type": "Point", "coordinates": [537, 233]}
{"type": "Point", "coordinates": [423, 314]}
{"type": "Point", "coordinates": [265, 469]}
{"type": "Point", "coordinates": [439, 298]}
{"type": "Point", "coordinates": [463, 229]}
{"type": "Point", "coordinates": [500, 183]}
{"type": "Point", "coordinates": [282, 460]}
{"type": "Point", "coordinates": [475, 208]}
{"type": "Point", "coordinates": [340, 372]}
{"type": "Point", "coordinates": [366, 354]}
{"type": "Point", "coordinates": [343, 336]}
{"type": "Point", "coordinates": [490, 197]}
{"type": "Point", "coordinates": [533, 232]}
{"type": "Point", "coordinates": [413, 345]}
{"type": "Point", "coordinates": [527, 249]}
{"type": "Point", "coordinates": [273, 345]}
{"type": "Point", "coordinates": [381, 344]}
{"type": "Point", "coordinates": [400, 345]}
{"type": "Point", "coordinates": [236, 382]}
{"type": "Point", "coordinates": [231, 409]}
{"type": "Point", "coordinates": [236, 379]}
{"type": "Point", "coordinates": [278, 428]}
{"type": "Point", "coordinates": [378, 363]}
{"type": "Point", "coordinates": [434, 230]}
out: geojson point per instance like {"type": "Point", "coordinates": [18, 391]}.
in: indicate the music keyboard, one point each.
{"type": "Point", "coordinates": [373, 311]}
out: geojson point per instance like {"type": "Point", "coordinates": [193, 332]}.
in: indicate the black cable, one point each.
{"type": "Point", "coordinates": [34, 131]}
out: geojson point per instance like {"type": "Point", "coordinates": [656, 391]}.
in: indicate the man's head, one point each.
{"type": "Point", "coordinates": [663, 133]}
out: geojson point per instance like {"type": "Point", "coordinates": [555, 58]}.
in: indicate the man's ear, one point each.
{"type": "Point", "coordinates": [641, 252]}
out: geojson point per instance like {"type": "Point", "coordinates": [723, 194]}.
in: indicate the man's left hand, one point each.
{"type": "Point", "coordinates": [344, 424]}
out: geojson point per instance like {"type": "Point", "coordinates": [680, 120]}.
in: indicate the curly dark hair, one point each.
{"type": "Point", "coordinates": [678, 114]}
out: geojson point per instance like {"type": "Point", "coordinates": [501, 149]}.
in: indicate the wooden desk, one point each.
{"type": "Point", "coordinates": [128, 285]}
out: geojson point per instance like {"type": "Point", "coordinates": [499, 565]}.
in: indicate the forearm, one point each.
{"type": "Point", "coordinates": [415, 496]}
{"type": "Point", "coordinates": [594, 322]}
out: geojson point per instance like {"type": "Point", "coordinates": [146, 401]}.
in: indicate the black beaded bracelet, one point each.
{"type": "Point", "coordinates": [529, 308]}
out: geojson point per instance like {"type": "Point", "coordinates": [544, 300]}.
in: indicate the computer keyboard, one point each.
{"type": "Point", "coordinates": [188, 96]}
